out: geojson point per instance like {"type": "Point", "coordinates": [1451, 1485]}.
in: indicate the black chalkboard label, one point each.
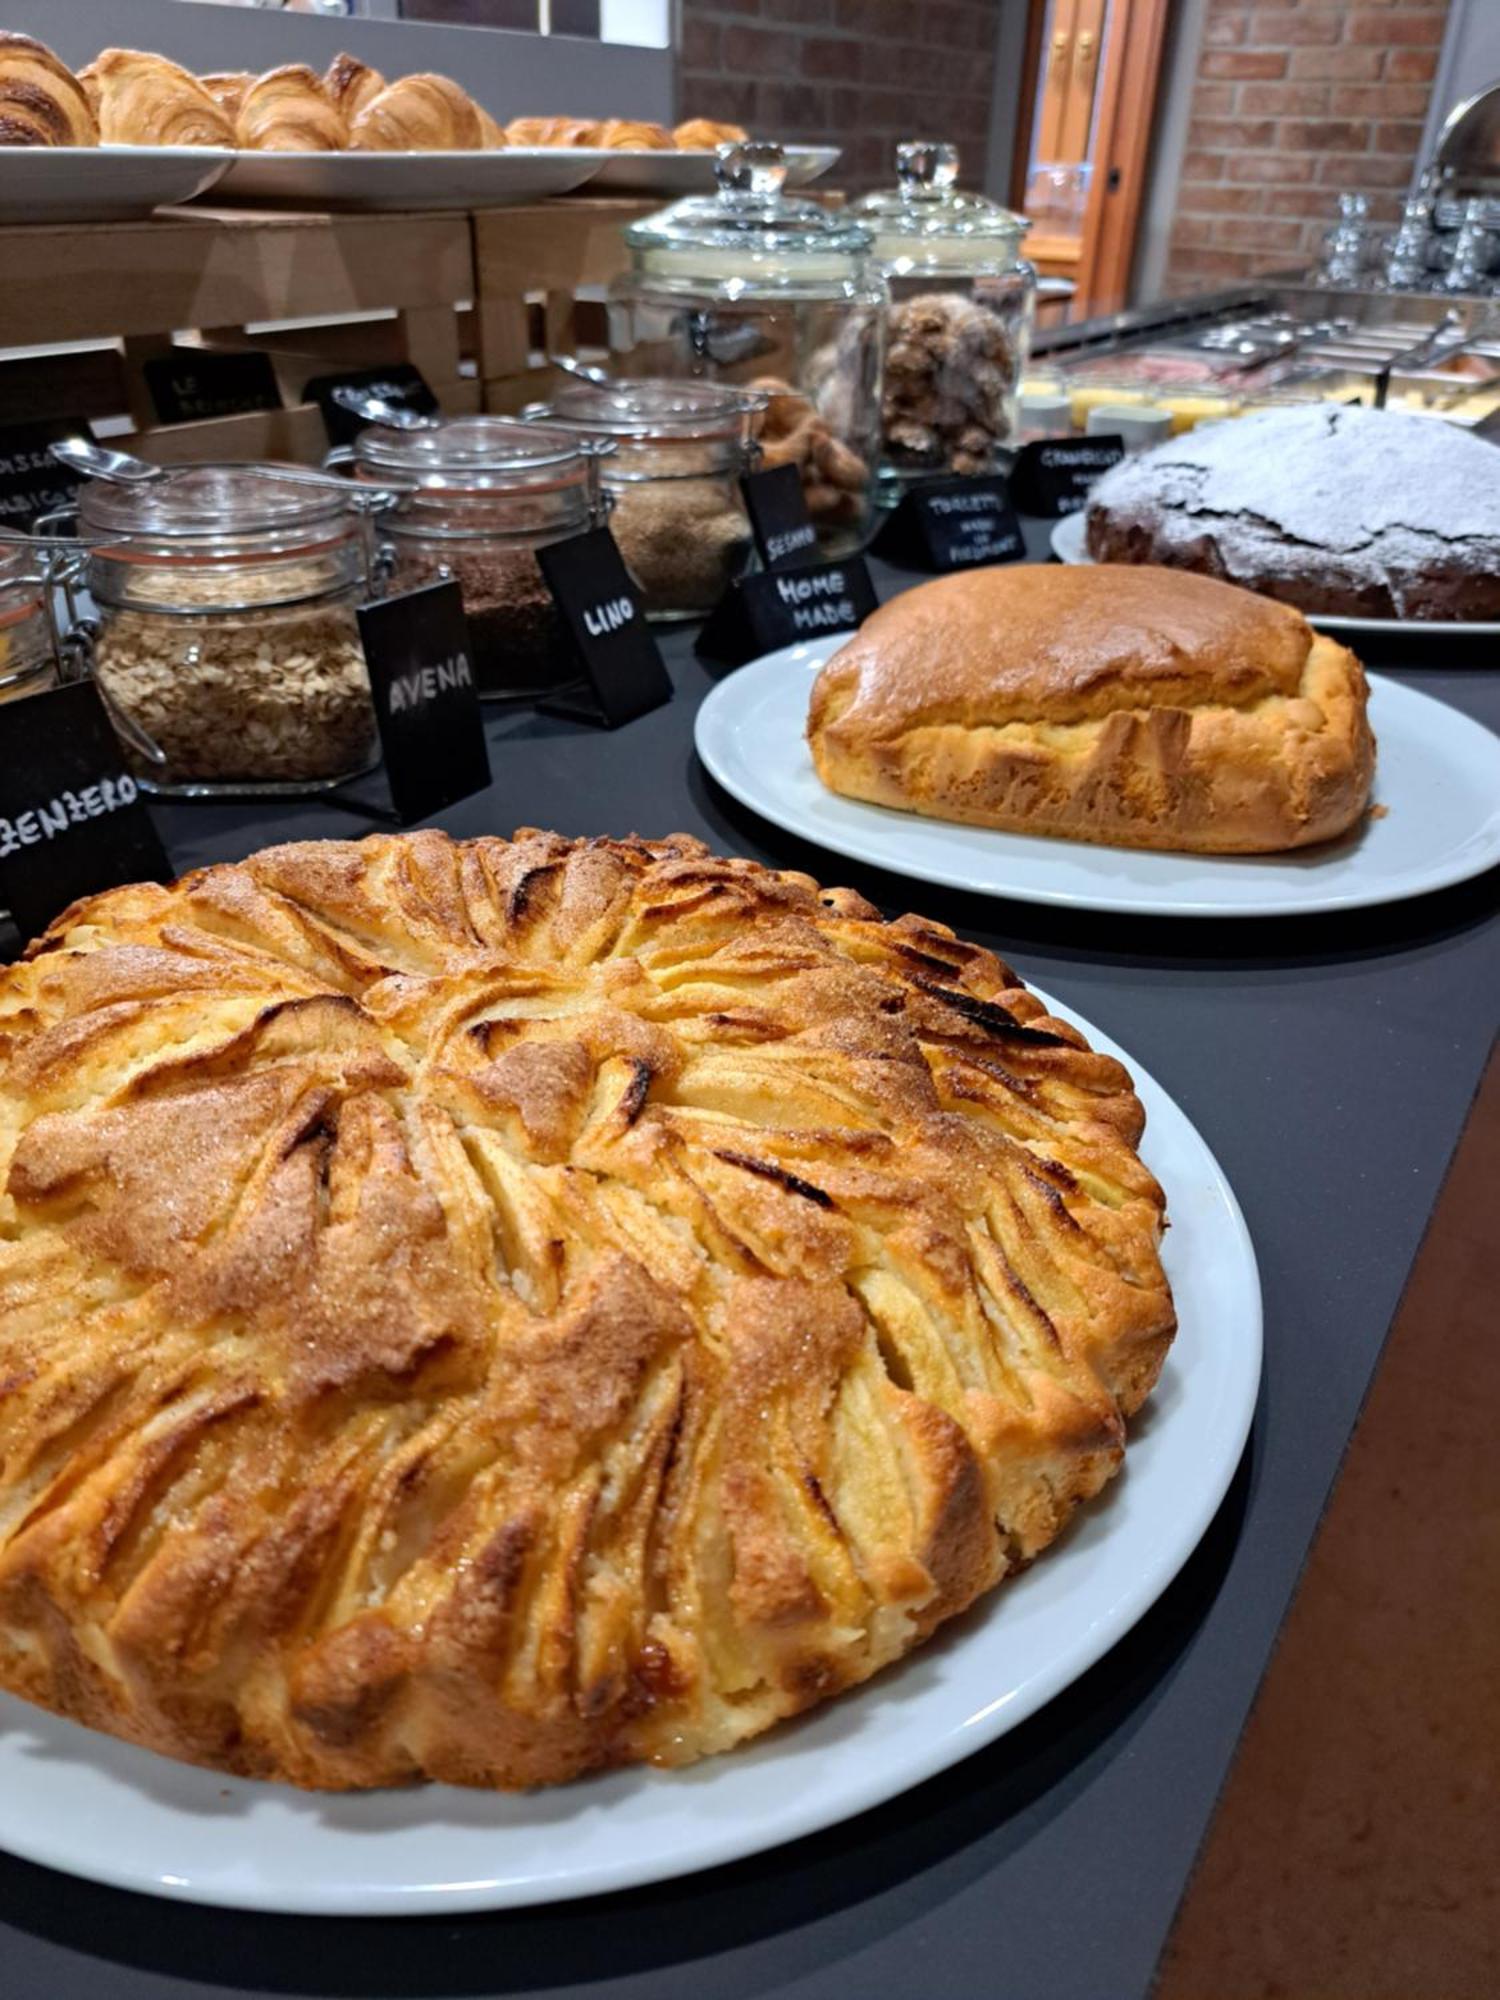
{"type": "Point", "coordinates": [426, 702]}
{"type": "Point", "coordinates": [72, 821]}
{"type": "Point", "coordinates": [196, 382]}
{"type": "Point", "coordinates": [948, 524]}
{"type": "Point", "coordinates": [780, 607]}
{"type": "Point", "coordinates": [400, 383]}
{"type": "Point", "coordinates": [614, 645]}
{"type": "Point", "coordinates": [31, 480]}
{"type": "Point", "coordinates": [1052, 476]}
{"type": "Point", "coordinates": [779, 520]}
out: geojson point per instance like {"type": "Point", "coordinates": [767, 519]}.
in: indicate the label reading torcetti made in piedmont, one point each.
{"type": "Point", "coordinates": [72, 820]}
{"type": "Point", "coordinates": [951, 524]}
{"type": "Point", "coordinates": [1052, 476]}
{"type": "Point", "coordinates": [619, 663]}
{"type": "Point", "coordinates": [426, 703]}
{"type": "Point", "coordinates": [779, 519]}
{"type": "Point", "coordinates": [778, 607]}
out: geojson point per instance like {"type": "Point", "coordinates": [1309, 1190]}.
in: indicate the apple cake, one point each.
{"type": "Point", "coordinates": [1133, 707]}
{"type": "Point", "coordinates": [489, 1311]}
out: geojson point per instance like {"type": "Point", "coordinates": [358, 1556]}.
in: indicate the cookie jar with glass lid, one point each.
{"type": "Point", "coordinates": [482, 495]}
{"type": "Point", "coordinates": [963, 300]}
{"type": "Point", "coordinates": [227, 646]}
{"type": "Point", "coordinates": [673, 476]}
{"type": "Point", "coordinates": [768, 292]}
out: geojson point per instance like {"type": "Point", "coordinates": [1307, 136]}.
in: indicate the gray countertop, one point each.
{"type": "Point", "coordinates": [1329, 1063]}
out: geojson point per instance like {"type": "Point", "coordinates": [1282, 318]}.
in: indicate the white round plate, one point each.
{"type": "Point", "coordinates": [402, 180]}
{"type": "Point", "coordinates": [94, 1807]}
{"type": "Point", "coordinates": [622, 171]}
{"type": "Point", "coordinates": [103, 183]}
{"type": "Point", "coordinates": [1437, 776]}
{"type": "Point", "coordinates": [1069, 546]}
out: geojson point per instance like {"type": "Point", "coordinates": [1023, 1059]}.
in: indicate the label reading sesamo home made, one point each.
{"type": "Point", "coordinates": [779, 607]}
{"type": "Point", "coordinates": [620, 667]}
{"type": "Point", "coordinates": [1052, 476]}
{"type": "Point", "coordinates": [72, 820]}
{"type": "Point", "coordinates": [426, 704]}
{"type": "Point", "coordinates": [951, 524]}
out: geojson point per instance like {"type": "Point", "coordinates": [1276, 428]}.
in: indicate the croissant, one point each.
{"type": "Point", "coordinates": [631, 135]}
{"type": "Point", "coordinates": [696, 134]}
{"type": "Point", "coordinates": [418, 114]}
{"type": "Point", "coordinates": [550, 131]}
{"type": "Point", "coordinates": [42, 103]}
{"type": "Point", "coordinates": [227, 88]}
{"type": "Point", "coordinates": [491, 134]}
{"type": "Point", "coordinates": [349, 84]}
{"type": "Point", "coordinates": [144, 100]}
{"type": "Point", "coordinates": [286, 111]}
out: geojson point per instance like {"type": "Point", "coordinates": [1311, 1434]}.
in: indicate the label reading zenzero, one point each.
{"type": "Point", "coordinates": [426, 704]}
{"type": "Point", "coordinates": [779, 607]}
{"type": "Point", "coordinates": [954, 524]}
{"type": "Point", "coordinates": [1052, 476]}
{"type": "Point", "coordinates": [72, 821]}
{"type": "Point", "coordinates": [617, 655]}
{"type": "Point", "coordinates": [779, 519]}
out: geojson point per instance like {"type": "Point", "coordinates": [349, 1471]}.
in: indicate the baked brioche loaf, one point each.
{"type": "Point", "coordinates": [1361, 513]}
{"type": "Point", "coordinates": [1136, 707]}
{"type": "Point", "coordinates": [491, 1311]}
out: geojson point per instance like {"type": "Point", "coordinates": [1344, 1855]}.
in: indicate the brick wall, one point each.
{"type": "Point", "coordinates": [856, 73]}
{"type": "Point", "coordinates": [1296, 100]}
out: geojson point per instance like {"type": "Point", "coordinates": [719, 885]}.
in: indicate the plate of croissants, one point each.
{"type": "Point", "coordinates": [346, 138]}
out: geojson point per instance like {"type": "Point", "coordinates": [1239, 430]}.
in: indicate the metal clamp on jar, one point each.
{"type": "Point", "coordinates": [225, 642]}
{"type": "Point", "coordinates": [481, 496]}
{"type": "Point", "coordinates": [30, 645]}
{"type": "Point", "coordinates": [673, 476]}
{"type": "Point", "coordinates": [963, 300]}
{"type": "Point", "coordinates": [775, 294]}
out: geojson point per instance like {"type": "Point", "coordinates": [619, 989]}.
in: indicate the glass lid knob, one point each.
{"type": "Point", "coordinates": [926, 167]}
{"type": "Point", "coordinates": [750, 166]}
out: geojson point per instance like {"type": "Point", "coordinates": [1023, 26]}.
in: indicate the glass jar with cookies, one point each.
{"type": "Point", "coordinates": [774, 294]}
{"type": "Point", "coordinates": [963, 300]}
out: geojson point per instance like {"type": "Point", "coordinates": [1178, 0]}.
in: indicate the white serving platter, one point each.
{"type": "Point", "coordinates": [94, 1807]}
{"type": "Point", "coordinates": [1437, 817]}
{"type": "Point", "coordinates": [366, 181]}
{"type": "Point", "coordinates": [1069, 545]}
{"type": "Point", "coordinates": [102, 183]}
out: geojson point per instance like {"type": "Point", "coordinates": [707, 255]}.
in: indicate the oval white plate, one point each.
{"type": "Point", "coordinates": [94, 1807]}
{"type": "Point", "coordinates": [102, 183]}
{"type": "Point", "coordinates": [1069, 546]}
{"type": "Point", "coordinates": [1437, 775]}
{"type": "Point", "coordinates": [402, 180]}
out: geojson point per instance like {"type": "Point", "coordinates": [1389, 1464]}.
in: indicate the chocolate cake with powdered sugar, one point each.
{"type": "Point", "coordinates": [1364, 513]}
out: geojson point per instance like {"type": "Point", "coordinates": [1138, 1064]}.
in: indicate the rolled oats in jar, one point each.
{"type": "Point", "coordinates": [228, 649]}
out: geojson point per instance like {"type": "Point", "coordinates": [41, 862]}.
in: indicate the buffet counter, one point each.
{"type": "Point", "coordinates": [1330, 1064]}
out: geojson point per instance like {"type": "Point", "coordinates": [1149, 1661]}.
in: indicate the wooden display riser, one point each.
{"type": "Point", "coordinates": [208, 275]}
